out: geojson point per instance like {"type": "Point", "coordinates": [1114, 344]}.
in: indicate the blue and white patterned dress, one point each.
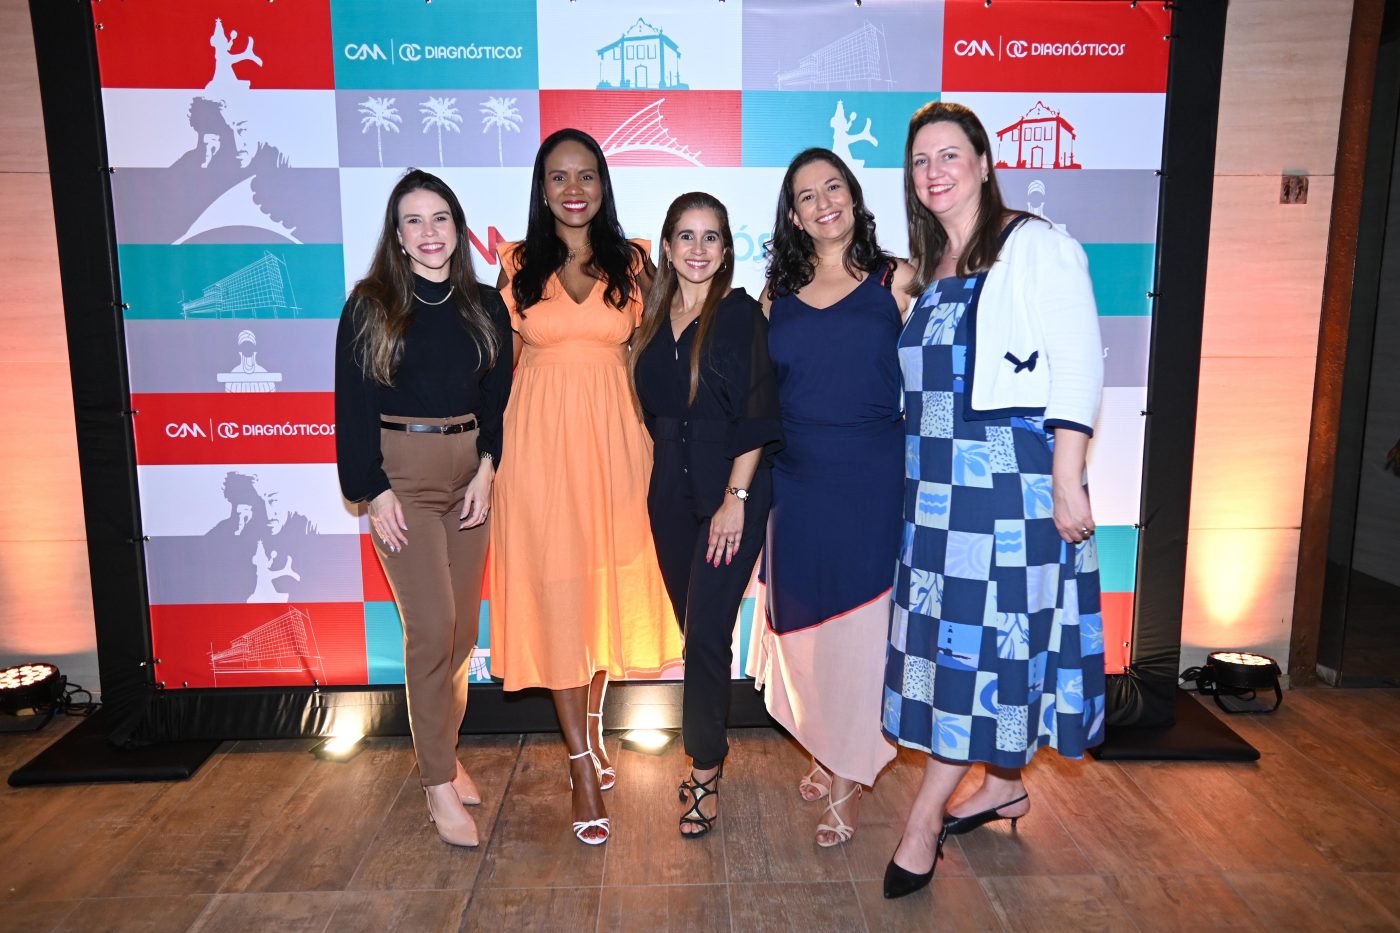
{"type": "Point", "coordinates": [996, 639]}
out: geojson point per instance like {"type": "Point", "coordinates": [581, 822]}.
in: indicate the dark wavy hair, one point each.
{"type": "Point", "coordinates": [382, 301]}
{"type": "Point", "coordinates": [792, 257]}
{"type": "Point", "coordinates": [927, 238]}
{"type": "Point", "coordinates": [543, 253]}
{"type": "Point", "coordinates": [664, 286]}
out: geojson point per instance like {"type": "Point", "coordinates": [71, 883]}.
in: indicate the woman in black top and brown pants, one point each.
{"type": "Point", "coordinates": [421, 380]}
{"type": "Point", "coordinates": [709, 398]}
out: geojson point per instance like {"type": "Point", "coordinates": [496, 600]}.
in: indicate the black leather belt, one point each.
{"type": "Point", "coordinates": [465, 426]}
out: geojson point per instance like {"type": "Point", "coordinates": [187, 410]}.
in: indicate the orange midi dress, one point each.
{"type": "Point", "coordinates": [575, 587]}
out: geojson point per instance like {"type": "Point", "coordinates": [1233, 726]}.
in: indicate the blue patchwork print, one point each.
{"type": "Point", "coordinates": [989, 658]}
{"type": "Point", "coordinates": [1038, 496]}
{"type": "Point", "coordinates": [1001, 443]}
{"type": "Point", "coordinates": [932, 508]}
{"type": "Point", "coordinates": [972, 464]}
{"type": "Point", "coordinates": [969, 555]}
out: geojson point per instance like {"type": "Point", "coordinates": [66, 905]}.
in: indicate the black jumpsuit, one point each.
{"type": "Point", "coordinates": [735, 411]}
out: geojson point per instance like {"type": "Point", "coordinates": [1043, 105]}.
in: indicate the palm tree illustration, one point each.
{"type": "Point", "coordinates": [380, 113]}
{"type": "Point", "coordinates": [500, 114]}
{"type": "Point", "coordinates": [440, 113]}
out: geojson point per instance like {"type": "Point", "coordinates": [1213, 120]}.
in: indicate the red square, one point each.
{"type": "Point", "coordinates": [1117, 631]}
{"type": "Point", "coordinates": [215, 44]}
{"type": "Point", "coordinates": [1068, 45]}
{"type": "Point", "coordinates": [376, 585]}
{"type": "Point", "coordinates": [259, 645]}
{"type": "Point", "coordinates": [667, 128]}
{"type": "Point", "coordinates": [235, 427]}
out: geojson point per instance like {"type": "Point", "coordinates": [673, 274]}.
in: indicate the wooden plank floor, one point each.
{"type": "Point", "coordinates": [265, 837]}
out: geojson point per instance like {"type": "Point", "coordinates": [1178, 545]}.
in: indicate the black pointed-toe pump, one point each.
{"type": "Point", "coordinates": [957, 825]}
{"type": "Point", "coordinates": [900, 882]}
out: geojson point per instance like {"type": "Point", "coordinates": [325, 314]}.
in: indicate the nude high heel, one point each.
{"type": "Point", "coordinates": [455, 829]}
{"type": "Point", "coordinates": [465, 787]}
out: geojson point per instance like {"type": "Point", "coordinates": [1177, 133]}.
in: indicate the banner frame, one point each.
{"type": "Point", "coordinates": [65, 51]}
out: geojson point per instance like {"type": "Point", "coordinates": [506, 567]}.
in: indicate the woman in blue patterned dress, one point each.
{"type": "Point", "coordinates": [996, 639]}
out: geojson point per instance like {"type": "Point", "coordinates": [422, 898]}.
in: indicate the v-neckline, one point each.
{"type": "Point", "coordinates": [558, 277]}
{"type": "Point", "coordinates": [838, 300]}
{"type": "Point", "coordinates": [676, 337]}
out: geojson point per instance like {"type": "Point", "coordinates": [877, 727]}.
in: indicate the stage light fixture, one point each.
{"type": "Point", "coordinates": [339, 747]}
{"type": "Point", "coordinates": [36, 686]}
{"type": "Point", "coordinates": [1238, 676]}
{"type": "Point", "coordinates": [647, 741]}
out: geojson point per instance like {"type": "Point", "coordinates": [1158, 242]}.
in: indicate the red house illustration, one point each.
{"type": "Point", "coordinates": [1043, 139]}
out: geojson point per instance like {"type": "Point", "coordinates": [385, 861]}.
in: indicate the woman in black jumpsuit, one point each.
{"type": "Point", "coordinates": [709, 398]}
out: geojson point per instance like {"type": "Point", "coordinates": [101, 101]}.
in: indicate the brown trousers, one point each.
{"type": "Point", "coordinates": [436, 580]}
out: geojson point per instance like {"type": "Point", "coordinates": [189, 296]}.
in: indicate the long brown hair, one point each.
{"type": "Point", "coordinates": [543, 253]}
{"type": "Point", "coordinates": [382, 301]}
{"type": "Point", "coordinates": [927, 238]}
{"type": "Point", "coordinates": [657, 311]}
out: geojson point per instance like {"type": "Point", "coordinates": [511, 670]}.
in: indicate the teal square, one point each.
{"type": "Point", "coordinates": [383, 643]}
{"type": "Point", "coordinates": [458, 44]}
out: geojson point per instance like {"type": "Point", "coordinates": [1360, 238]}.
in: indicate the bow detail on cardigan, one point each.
{"type": "Point", "coordinates": [1028, 364]}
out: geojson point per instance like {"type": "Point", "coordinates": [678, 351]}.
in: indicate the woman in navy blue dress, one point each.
{"type": "Point", "coordinates": [835, 302]}
{"type": "Point", "coordinates": [996, 642]}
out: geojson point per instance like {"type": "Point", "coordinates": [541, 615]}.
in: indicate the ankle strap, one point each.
{"type": "Point", "coordinates": [587, 751]}
{"type": "Point", "coordinates": [599, 715]}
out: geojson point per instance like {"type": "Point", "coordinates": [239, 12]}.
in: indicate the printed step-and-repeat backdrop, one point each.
{"type": "Point", "coordinates": [254, 143]}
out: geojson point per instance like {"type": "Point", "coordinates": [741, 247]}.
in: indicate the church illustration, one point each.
{"type": "Point", "coordinates": [642, 58]}
{"type": "Point", "coordinates": [1043, 139]}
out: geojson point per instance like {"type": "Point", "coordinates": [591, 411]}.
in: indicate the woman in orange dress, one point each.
{"type": "Point", "coordinates": [576, 592]}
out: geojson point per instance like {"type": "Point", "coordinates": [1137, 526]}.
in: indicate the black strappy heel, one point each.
{"type": "Point", "coordinates": [698, 791]}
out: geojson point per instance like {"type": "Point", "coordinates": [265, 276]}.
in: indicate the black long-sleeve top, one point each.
{"type": "Point", "coordinates": [441, 375]}
{"type": "Point", "coordinates": [736, 407]}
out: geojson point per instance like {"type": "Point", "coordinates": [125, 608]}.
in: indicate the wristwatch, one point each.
{"type": "Point", "coordinates": [741, 494]}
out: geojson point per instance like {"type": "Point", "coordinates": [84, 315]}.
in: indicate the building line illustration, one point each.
{"type": "Point", "coordinates": [652, 57]}
{"type": "Point", "coordinates": [1038, 130]}
{"type": "Point", "coordinates": [262, 285]}
{"type": "Point", "coordinates": [859, 56]}
{"type": "Point", "coordinates": [283, 645]}
{"type": "Point", "coordinates": [645, 131]}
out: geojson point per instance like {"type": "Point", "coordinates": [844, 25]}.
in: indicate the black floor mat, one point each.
{"type": "Point", "coordinates": [85, 756]}
{"type": "Point", "coordinates": [1197, 735]}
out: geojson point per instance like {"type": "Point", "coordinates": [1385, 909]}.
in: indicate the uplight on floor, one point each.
{"type": "Point", "coordinates": [649, 741]}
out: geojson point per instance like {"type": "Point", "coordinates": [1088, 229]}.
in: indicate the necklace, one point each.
{"type": "Point", "coordinates": [433, 304]}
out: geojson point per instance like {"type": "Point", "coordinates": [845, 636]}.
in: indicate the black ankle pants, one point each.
{"type": "Point", "coordinates": [706, 598]}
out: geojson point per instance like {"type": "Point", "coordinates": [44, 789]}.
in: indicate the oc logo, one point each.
{"type": "Point", "coordinates": [411, 52]}
{"type": "Point", "coordinates": [1018, 48]}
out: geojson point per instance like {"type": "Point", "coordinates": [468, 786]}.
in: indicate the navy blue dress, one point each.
{"type": "Point", "coordinates": [833, 535]}
{"type": "Point", "coordinates": [837, 488]}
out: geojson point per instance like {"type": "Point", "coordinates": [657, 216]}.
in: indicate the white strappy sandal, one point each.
{"type": "Point", "coordinates": [583, 826]}
{"type": "Point", "coordinates": [607, 777]}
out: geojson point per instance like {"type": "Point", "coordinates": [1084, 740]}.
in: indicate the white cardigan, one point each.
{"type": "Point", "coordinates": [1037, 305]}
